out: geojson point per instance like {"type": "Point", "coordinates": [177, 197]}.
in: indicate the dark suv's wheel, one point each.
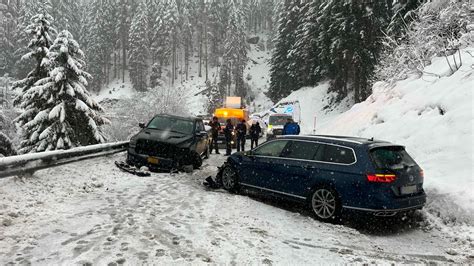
{"type": "Point", "coordinates": [325, 204]}
{"type": "Point", "coordinates": [196, 160]}
{"type": "Point", "coordinates": [229, 179]}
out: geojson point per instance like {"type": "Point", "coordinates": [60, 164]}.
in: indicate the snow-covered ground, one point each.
{"type": "Point", "coordinates": [90, 212]}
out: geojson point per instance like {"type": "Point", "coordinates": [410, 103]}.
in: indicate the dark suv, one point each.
{"type": "Point", "coordinates": [169, 142]}
{"type": "Point", "coordinates": [330, 173]}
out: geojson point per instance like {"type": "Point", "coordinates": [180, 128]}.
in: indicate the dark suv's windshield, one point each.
{"type": "Point", "coordinates": [391, 158]}
{"type": "Point", "coordinates": [171, 124]}
{"type": "Point", "coordinates": [278, 120]}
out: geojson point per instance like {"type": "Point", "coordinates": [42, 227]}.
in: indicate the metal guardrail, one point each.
{"type": "Point", "coordinates": [28, 163]}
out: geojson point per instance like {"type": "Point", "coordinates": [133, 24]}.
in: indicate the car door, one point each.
{"type": "Point", "coordinates": [258, 168]}
{"type": "Point", "coordinates": [295, 176]}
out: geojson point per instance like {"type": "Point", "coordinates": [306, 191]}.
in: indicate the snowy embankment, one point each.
{"type": "Point", "coordinates": [431, 115]}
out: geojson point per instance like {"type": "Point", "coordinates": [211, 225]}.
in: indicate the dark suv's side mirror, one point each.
{"type": "Point", "coordinates": [141, 125]}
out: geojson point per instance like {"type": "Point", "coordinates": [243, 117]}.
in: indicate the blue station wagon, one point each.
{"type": "Point", "coordinates": [330, 174]}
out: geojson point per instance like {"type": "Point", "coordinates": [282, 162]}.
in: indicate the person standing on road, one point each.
{"type": "Point", "coordinates": [241, 129]}
{"type": "Point", "coordinates": [228, 130]}
{"type": "Point", "coordinates": [215, 127]}
{"type": "Point", "coordinates": [291, 128]}
{"type": "Point", "coordinates": [255, 131]}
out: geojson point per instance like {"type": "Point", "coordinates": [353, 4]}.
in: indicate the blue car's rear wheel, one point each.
{"type": "Point", "coordinates": [325, 204]}
{"type": "Point", "coordinates": [229, 178]}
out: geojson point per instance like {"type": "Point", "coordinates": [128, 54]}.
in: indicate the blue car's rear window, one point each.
{"type": "Point", "coordinates": [391, 158]}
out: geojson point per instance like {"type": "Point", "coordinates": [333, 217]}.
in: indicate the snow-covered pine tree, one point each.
{"type": "Point", "coordinates": [236, 47]}
{"type": "Point", "coordinates": [66, 115]}
{"type": "Point", "coordinates": [66, 15]}
{"type": "Point", "coordinates": [155, 76]}
{"type": "Point", "coordinates": [90, 41]}
{"type": "Point", "coordinates": [40, 31]}
{"type": "Point", "coordinates": [299, 55]}
{"type": "Point", "coordinates": [139, 53]}
{"type": "Point", "coordinates": [123, 28]}
{"type": "Point", "coordinates": [8, 34]}
{"type": "Point", "coordinates": [6, 146]}
{"type": "Point", "coordinates": [217, 13]}
{"type": "Point", "coordinates": [23, 66]}
{"type": "Point", "coordinates": [214, 95]}
{"type": "Point", "coordinates": [281, 83]}
{"type": "Point", "coordinates": [161, 48]}
{"type": "Point", "coordinates": [172, 19]}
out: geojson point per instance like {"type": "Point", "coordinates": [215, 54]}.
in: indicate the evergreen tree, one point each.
{"type": "Point", "coordinates": [215, 97]}
{"type": "Point", "coordinates": [402, 14]}
{"type": "Point", "coordinates": [40, 31]}
{"type": "Point", "coordinates": [236, 47]}
{"type": "Point", "coordinates": [66, 115]}
{"type": "Point", "coordinates": [155, 76]}
{"type": "Point", "coordinates": [26, 12]}
{"type": "Point", "coordinates": [281, 83]}
{"type": "Point", "coordinates": [161, 48]}
{"type": "Point", "coordinates": [6, 146]}
{"type": "Point", "coordinates": [94, 42]}
{"type": "Point", "coordinates": [66, 15]}
{"type": "Point", "coordinates": [138, 55]}
{"type": "Point", "coordinates": [8, 34]}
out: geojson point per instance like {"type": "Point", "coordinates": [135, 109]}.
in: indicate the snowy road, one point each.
{"type": "Point", "coordinates": [92, 213]}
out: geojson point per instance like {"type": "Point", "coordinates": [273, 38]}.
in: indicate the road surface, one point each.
{"type": "Point", "coordinates": [90, 212]}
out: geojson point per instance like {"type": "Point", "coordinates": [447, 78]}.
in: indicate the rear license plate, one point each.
{"type": "Point", "coordinates": [408, 190]}
{"type": "Point", "coordinates": [220, 141]}
{"type": "Point", "coordinates": [153, 160]}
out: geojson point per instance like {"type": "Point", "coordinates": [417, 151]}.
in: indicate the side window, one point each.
{"type": "Point", "coordinates": [199, 126]}
{"type": "Point", "coordinates": [302, 150]}
{"type": "Point", "coordinates": [273, 148]}
{"type": "Point", "coordinates": [337, 154]}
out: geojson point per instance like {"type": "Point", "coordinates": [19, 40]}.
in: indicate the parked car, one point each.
{"type": "Point", "coordinates": [276, 123]}
{"type": "Point", "coordinates": [330, 174]}
{"type": "Point", "coordinates": [170, 142]}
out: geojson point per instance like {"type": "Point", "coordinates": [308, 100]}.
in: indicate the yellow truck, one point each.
{"type": "Point", "coordinates": [234, 112]}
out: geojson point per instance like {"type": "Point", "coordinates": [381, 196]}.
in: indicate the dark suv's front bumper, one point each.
{"type": "Point", "coordinates": [139, 160]}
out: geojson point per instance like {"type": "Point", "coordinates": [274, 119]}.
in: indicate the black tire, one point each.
{"type": "Point", "coordinates": [188, 168]}
{"type": "Point", "coordinates": [196, 161]}
{"type": "Point", "coordinates": [229, 179]}
{"type": "Point", "coordinates": [325, 204]}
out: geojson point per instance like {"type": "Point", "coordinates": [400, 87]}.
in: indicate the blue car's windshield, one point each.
{"type": "Point", "coordinates": [171, 124]}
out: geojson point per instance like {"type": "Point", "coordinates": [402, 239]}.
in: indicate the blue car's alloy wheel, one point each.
{"type": "Point", "coordinates": [229, 178]}
{"type": "Point", "coordinates": [324, 204]}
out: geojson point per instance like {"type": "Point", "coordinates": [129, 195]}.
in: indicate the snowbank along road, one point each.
{"type": "Point", "coordinates": [92, 213]}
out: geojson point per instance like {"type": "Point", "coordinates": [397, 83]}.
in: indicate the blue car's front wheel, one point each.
{"type": "Point", "coordinates": [229, 178]}
{"type": "Point", "coordinates": [325, 204]}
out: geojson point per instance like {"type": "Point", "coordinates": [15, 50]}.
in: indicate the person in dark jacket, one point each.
{"type": "Point", "coordinates": [241, 129]}
{"type": "Point", "coordinates": [215, 127]}
{"type": "Point", "coordinates": [228, 130]}
{"type": "Point", "coordinates": [254, 131]}
{"type": "Point", "coordinates": [291, 128]}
